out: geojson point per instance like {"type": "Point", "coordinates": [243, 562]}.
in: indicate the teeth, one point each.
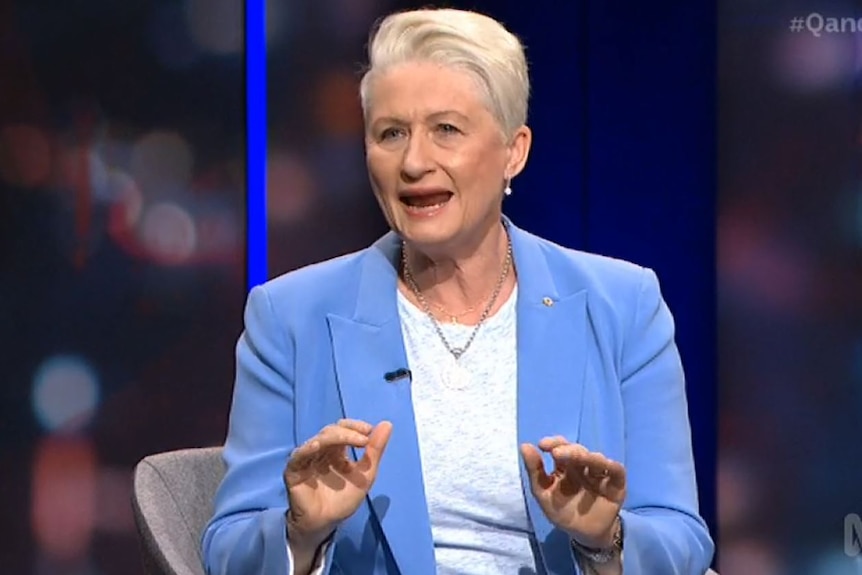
{"type": "Point", "coordinates": [427, 202]}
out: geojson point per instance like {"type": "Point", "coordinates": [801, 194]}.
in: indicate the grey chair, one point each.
{"type": "Point", "coordinates": [172, 502]}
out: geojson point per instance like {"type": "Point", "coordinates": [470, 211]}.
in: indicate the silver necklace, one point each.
{"type": "Point", "coordinates": [456, 352]}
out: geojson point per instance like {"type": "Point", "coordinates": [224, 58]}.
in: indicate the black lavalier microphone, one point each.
{"type": "Point", "coordinates": [401, 373]}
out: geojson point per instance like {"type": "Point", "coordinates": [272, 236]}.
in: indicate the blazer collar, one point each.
{"type": "Point", "coordinates": [551, 335]}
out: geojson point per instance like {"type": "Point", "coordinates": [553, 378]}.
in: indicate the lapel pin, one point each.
{"type": "Point", "coordinates": [547, 301]}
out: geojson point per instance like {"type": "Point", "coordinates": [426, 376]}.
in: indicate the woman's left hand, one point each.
{"type": "Point", "coordinates": [584, 493]}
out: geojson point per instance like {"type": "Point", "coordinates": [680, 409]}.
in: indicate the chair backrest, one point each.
{"type": "Point", "coordinates": [173, 501]}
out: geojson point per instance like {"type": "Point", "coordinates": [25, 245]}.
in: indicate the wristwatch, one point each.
{"type": "Point", "coordinates": [605, 555]}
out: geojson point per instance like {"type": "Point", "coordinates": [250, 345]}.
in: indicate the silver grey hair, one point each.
{"type": "Point", "coordinates": [466, 40]}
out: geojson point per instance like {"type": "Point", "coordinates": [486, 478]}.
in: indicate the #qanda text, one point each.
{"type": "Point", "coordinates": [817, 24]}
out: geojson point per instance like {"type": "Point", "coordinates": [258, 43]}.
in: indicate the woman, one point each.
{"type": "Point", "coordinates": [396, 409]}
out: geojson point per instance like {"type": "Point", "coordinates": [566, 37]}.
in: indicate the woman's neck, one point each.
{"type": "Point", "coordinates": [461, 286]}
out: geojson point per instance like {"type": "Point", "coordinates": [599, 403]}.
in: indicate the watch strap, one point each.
{"type": "Point", "coordinates": [601, 556]}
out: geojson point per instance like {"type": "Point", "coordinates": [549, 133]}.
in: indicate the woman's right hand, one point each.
{"type": "Point", "coordinates": [324, 486]}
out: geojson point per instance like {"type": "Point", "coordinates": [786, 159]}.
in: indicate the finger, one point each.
{"type": "Point", "coordinates": [299, 465]}
{"type": "Point", "coordinates": [598, 465]}
{"type": "Point", "coordinates": [611, 484]}
{"type": "Point", "coordinates": [616, 476]}
{"type": "Point", "coordinates": [539, 478]}
{"type": "Point", "coordinates": [336, 442]}
{"type": "Point", "coordinates": [362, 427]}
{"type": "Point", "coordinates": [568, 467]}
{"type": "Point", "coordinates": [303, 455]}
{"type": "Point", "coordinates": [338, 436]}
{"type": "Point", "coordinates": [317, 456]}
{"type": "Point", "coordinates": [592, 468]}
{"type": "Point", "coordinates": [326, 447]}
{"type": "Point", "coordinates": [568, 456]}
{"type": "Point", "coordinates": [549, 443]}
{"type": "Point", "coordinates": [377, 441]}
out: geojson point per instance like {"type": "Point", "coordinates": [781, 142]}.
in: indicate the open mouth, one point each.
{"type": "Point", "coordinates": [426, 202]}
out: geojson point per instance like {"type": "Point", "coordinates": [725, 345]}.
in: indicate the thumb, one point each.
{"type": "Point", "coordinates": [535, 467]}
{"type": "Point", "coordinates": [377, 441]}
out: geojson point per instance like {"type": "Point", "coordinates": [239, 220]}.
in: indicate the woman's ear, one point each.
{"type": "Point", "coordinates": [519, 150]}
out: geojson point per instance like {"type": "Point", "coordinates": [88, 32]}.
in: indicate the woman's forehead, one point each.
{"type": "Point", "coordinates": [425, 90]}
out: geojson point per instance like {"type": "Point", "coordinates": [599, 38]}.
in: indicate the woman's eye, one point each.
{"type": "Point", "coordinates": [447, 129]}
{"type": "Point", "coordinates": [391, 133]}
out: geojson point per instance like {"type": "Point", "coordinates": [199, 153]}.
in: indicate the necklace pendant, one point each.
{"type": "Point", "coordinates": [457, 352]}
{"type": "Point", "coordinates": [456, 377]}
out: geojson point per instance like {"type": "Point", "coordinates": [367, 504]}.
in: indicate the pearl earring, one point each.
{"type": "Point", "coordinates": [508, 189]}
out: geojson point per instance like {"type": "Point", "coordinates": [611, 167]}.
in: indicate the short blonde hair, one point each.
{"type": "Point", "coordinates": [467, 40]}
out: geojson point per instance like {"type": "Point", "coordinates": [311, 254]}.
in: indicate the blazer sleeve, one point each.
{"type": "Point", "coordinates": [247, 533]}
{"type": "Point", "coordinates": [663, 531]}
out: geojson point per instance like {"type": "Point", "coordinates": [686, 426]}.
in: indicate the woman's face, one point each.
{"type": "Point", "coordinates": [437, 158]}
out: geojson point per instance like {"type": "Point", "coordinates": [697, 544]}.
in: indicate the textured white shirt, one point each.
{"type": "Point", "coordinates": [466, 421]}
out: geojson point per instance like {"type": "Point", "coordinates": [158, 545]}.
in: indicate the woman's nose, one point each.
{"type": "Point", "coordinates": [418, 157]}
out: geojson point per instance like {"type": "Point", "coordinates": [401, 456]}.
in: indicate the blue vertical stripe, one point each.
{"type": "Point", "coordinates": [255, 106]}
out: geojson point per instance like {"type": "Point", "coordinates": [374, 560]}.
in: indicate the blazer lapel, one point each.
{"type": "Point", "coordinates": [365, 348]}
{"type": "Point", "coordinates": [552, 328]}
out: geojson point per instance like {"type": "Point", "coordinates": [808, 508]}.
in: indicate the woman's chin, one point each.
{"type": "Point", "coordinates": [428, 231]}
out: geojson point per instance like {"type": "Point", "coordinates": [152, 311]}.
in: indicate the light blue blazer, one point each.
{"type": "Point", "coordinates": [597, 363]}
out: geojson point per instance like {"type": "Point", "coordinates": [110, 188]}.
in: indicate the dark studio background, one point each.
{"type": "Point", "coordinates": [712, 144]}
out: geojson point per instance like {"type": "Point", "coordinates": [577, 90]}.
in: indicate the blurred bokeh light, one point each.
{"type": "Point", "coordinates": [65, 493]}
{"type": "Point", "coordinates": [161, 164]}
{"type": "Point", "coordinates": [806, 63]}
{"type": "Point", "coordinates": [168, 232]}
{"type": "Point", "coordinates": [290, 188]}
{"type": "Point", "coordinates": [65, 393]}
{"type": "Point", "coordinates": [216, 25]}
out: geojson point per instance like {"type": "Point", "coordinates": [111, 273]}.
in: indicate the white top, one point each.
{"type": "Point", "coordinates": [466, 421]}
